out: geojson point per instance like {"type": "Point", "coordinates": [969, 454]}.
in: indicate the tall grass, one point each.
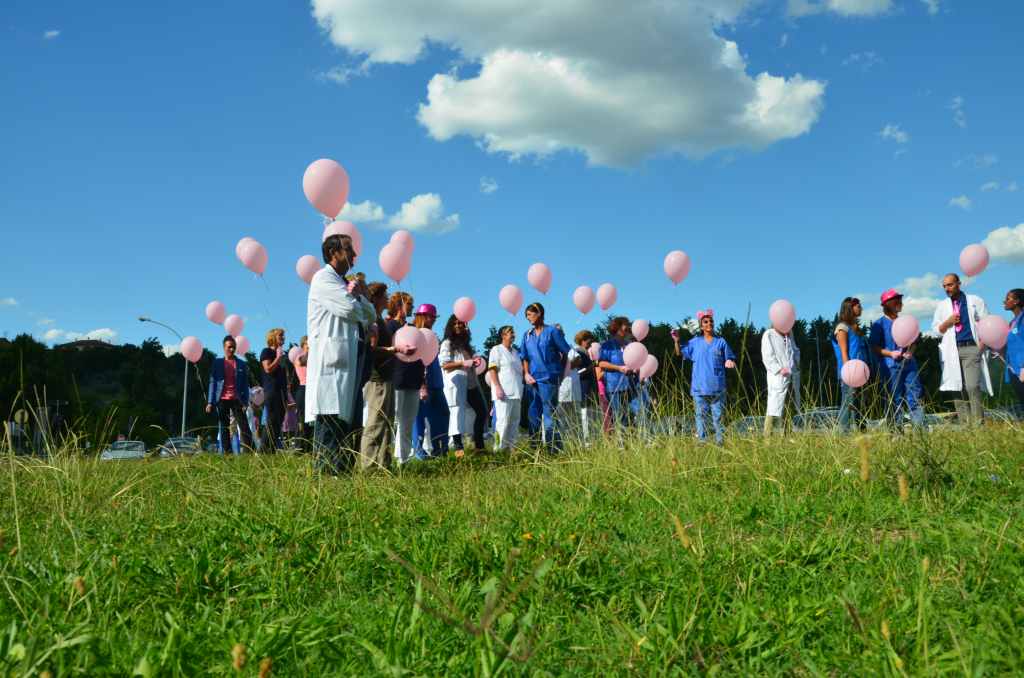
{"type": "Point", "coordinates": [792, 556]}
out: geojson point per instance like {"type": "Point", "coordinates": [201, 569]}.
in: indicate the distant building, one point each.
{"type": "Point", "coordinates": [84, 343]}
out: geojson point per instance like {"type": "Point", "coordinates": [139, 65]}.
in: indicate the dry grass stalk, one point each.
{"type": "Point", "coordinates": [683, 538]}
{"type": "Point", "coordinates": [79, 583]}
{"type": "Point", "coordinates": [885, 629]}
{"type": "Point", "coordinates": [865, 461]}
{"type": "Point", "coordinates": [238, 656]}
{"type": "Point", "coordinates": [925, 564]}
{"type": "Point", "coordinates": [266, 667]}
{"type": "Point", "coordinates": [904, 489]}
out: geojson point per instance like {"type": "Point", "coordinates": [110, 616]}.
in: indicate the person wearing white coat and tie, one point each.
{"type": "Point", "coordinates": [506, 370]}
{"type": "Point", "coordinates": [335, 308]}
{"type": "Point", "coordinates": [782, 360]}
{"type": "Point", "coordinates": [963, 355]}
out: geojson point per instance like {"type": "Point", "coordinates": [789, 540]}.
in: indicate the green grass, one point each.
{"type": "Point", "coordinates": [790, 568]}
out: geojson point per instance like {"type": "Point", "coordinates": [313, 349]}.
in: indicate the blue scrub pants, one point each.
{"type": "Point", "coordinates": [915, 403]}
{"type": "Point", "coordinates": [619, 405]}
{"type": "Point", "coordinates": [850, 416]}
{"type": "Point", "coordinates": [549, 401]}
{"type": "Point", "coordinates": [332, 444]}
{"type": "Point", "coordinates": [534, 410]}
{"type": "Point", "coordinates": [710, 409]}
{"type": "Point", "coordinates": [435, 410]}
{"type": "Point", "coordinates": [895, 383]}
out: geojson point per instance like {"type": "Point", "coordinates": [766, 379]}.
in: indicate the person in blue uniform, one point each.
{"type": "Point", "coordinates": [541, 351]}
{"type": "Point", "coordinates": [849, 343]}
{"type": "Point", "coordinates": [433, 406]}
{"type": "Point", "coordinates": [892, 363]}
{"type": "Point", "coordinates": [621, 383]}
{"type": "Point", "coordinates": [711, 357]}
{"type": "Point", "coordinates": [1014, 303]}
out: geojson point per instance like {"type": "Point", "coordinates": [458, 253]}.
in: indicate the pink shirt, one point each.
{"type": "Point", "coordinates": [229, 381]}
{"type": "Point", "coordinates": [301, 371]}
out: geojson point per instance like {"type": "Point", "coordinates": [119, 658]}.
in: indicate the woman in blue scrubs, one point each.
{"type": "Point", "coordinates": [711, 357]}
{"type": "Point", "coordinates": [1014, 303]}
{"type": "Point", "coordinates": [541, 351]}
{"type": "Point", "coordinates": [621, 383]}
{"type": "Point", "coordinates": [849, 343]}
{"type": "Point", "coordinates": [893, 363]}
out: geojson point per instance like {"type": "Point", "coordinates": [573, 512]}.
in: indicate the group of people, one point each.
{"type": "Point", "coordinates": [350, 366]}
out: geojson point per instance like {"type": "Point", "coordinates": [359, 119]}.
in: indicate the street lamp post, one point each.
{"type": "Point", "coordinates": [184, 398]}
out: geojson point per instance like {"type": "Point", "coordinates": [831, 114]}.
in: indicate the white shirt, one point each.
{"type": "Point", "coordinates": [331, 319]}
{"type": "Point", "coordinates": [569, 388]}
{"type": "Point", "coordinates": [948, 353]}
{"type": "Point", "coordinates": [456, 381]}
{"type": "Point", "coordinates": [510, 371]}
{"type": "Point", "coordinates": [778, 351]}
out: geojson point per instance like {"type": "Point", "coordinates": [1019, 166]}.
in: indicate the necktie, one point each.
{"type": "Point", "coordinates": [956, 309]}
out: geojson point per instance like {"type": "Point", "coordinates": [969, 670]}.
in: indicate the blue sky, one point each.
{"type": "Point", "coordinates": [143, 141]}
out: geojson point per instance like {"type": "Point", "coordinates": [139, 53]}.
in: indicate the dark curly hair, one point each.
{"type": "Point", "coordinates": [458, 341]}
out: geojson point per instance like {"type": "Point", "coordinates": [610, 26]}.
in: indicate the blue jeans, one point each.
{"type": "Point", "coordinates": [915, 402]}
{"type": "Point", "coordinates": [331, 444]}
{"type": "Point", "coordinates": [619, 405]}
{"type": "Point", "coordinates": [549, 401]}
{"type": "Point", "coordinates": [850, 416]}
{"type": "Point", "coordinates": [435, 410]}
{"type": "Point", "coordinates": [709, 409]}
{"type": "Point", "coordinates": [534, 409]}
{"type": "Point", "coordinates": [895, 383]}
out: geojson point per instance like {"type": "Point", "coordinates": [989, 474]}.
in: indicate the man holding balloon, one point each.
{"type": "Point", "coordinates": [964, 359]}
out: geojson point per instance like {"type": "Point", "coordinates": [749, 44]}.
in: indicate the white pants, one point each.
{"type": "Point", "coordinates": [592, 421]}
{"type": "Point", "coordinates": [407, 404]}
{"type": "Point", "coordinates": [506, 421]}
{"type": "Point", "coordinates": [569, 415]}
{"type": "Point", "coordinates": [778, 390]}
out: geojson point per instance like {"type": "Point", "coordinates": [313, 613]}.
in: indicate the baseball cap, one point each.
{"type": "Point", "coordinates": [426, 309]}
{"type": "Point", "coordinates": [890, 294]}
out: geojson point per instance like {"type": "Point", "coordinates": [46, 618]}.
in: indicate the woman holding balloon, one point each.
{"type": "Point", "coordinates": [541, 351]}
{"type": "Point", "coordinates": [711, 357]}
{"type": "Point", "coordinates": [1014, 303]}
{"type": "Point", "coordinates": [461, 387]}
{"type": "Point", "coordinates": [894, 344]}
{"type": "Point", "coordinates": [433, 406]}
{"type": "Point", "coordinates": [850, 344]}
{"type": "Point", "coordinates": [620, 379]}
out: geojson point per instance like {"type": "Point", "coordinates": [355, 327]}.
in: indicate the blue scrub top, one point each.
{"type": "Point", "coordinates": [881, 335]}
{"type": "Point", "coordinates": [857, 349]}
{"type": "Point", "coordinates": [611, 351]}
{"type": "Point", "coordinates": [545, 353]}
{"type": "Point", "coordinates": [960, 306]}
{"type": "Point", "coordinates": [434, 377]}
{"type": "Point", "coordinates": [1015, 347]}
{"type": "Point", "coordinates": [708, 377]}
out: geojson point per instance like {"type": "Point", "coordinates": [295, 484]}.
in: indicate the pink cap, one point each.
{"type": "Point", "coordinates": [890, 294]}
{"type": "Point", "coordinates": [427, 309]}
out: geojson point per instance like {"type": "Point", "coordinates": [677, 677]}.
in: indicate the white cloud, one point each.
{"type": "Point", "coordinates": [618, 82]}
{"type": "Point", "coordinates": [60, 336]}
{"type": "Point", "coordinates": [824, 49]}
{"type": "Point", "coordinates": [45, 321]}
{"type": "Point", "coordinates": [991, 185]}
{"type": "Point", "coordinates": [50, 35]}
{"type": "Point", "coordinates": [255, 317]}
{"type": "Point", "coordinates": [893, 132]}
{"type": "Point", "coordinates": [956, 105]}
{"type": "Point", "coordinates": [785, 39]}
{"type": "Point", "coordinates": [1006, 244]}
{"type": "Point", "coordinates": [424, 213]}
{"type": "Point", "coordinates": [984, 161]}
{"type": "Point", "coordinates": [1012, 188]}
{"type": "Point", "coordinates": [921, 296]}
{"type": "Point", "coordinates": [863, 61]}
{"type": "Point", "coordinates": [845, 8]}
{"type": "Point", "coordinates": [9, 302]}
{"type": "Point", "coordinates": [364, 211]}
{"type": "Point", "coordinates": [900, 152]}
{"type": "Point", "coordinates": [488, 185]}
{"type": "Point", "coordinates": [933, 6]}
{"type": "Point", "coordinates": [962, 201]}
{"type": "Point", "coordinates": [171, 349]}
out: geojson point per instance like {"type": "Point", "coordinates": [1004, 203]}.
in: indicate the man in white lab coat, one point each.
{"type": "Point", "coordinates": [964, 359]}
{"type": "Point", "coordinates": [336, 307]}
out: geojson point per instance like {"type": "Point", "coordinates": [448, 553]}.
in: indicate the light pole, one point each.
{"type": "Point", "coordinates": [184, 398]}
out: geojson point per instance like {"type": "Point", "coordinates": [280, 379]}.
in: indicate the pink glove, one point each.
{"type": "Point", "coordinates": [498, 393]}
{"type": "Point", "coordinates": [352, 285]}
{"type": "Point", "coordinates": [1021, 375]}
{"type": "Point", "coordinates": [469, 363]}
{"type": "Point", "coordinates": [529, 379]}
{"type": "Point", "coordinates": [424, 396]}
{"type": "Point", "coordinates": [280, 352]}
{"type": "Point", "coordinates": [477, 361]}
{"type": "Point", "coordinates": [729, 364]}
{"type": "Point", "coordinates": [785, 372]}
{"type": "Point", "coordinates": [405, 350]}
{"type": "Point", "coordinates": [897, 354]}
{"type": "Point", "coordinates": [675, 334]}
{"type": "Point", "coordinates": [624, 370]}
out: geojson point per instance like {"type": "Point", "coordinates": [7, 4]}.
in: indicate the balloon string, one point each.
{"type": "Point", "coordinates": [285, 322]}
{"type": "Point", "coordinates": [675, 286]}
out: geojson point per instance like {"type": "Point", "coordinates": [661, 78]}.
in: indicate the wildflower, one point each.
{"type": "Point", "coordinates": [527, 536]}
{"type": "Point", "coordinates": [904, 489]}
{"type": "Point", "coordinates": [266, 668]}
{"type": "Point", "coordinates": [238, 656]}
{"type": "Point", "coordinates": [79, 583]}
{"type": "Point", "coordinates": [571, 537]}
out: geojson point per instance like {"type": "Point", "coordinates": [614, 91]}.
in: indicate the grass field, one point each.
{"type": "Point", "coordinates": [753, 558]}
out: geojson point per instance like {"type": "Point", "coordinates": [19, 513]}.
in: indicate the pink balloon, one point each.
{"type": "Point", "coordinates": [488, 379]}
{"type": "Point", "coordinates": [640, 329]}
{"type": "Point", "coordinates": [465, 309]}
{"type": "Point", "coordinates": [256, 396]}
{"type": "Point", "coordinates": [595, 350]}
{"type": "Point", "coordinates": [405, 239]}
{"type": "Point", "coordinates": [254, 257]}
{"type": "Point", "coordinates": [783, 315]}
{"type": "Point", "coordinates": [326, 186]}
{"type": "Point", "coordinates": [649, 368]}
{"type": "Point", "coordinates": [233, 324]}
{"type": "Point", "coordinates": [215, 311]}
{"type": "Point", "coordinates": [606, 296]}
{"type": "Point", "coordinates": [481, 368]}
{"type": "Point", "coordinates": [307, 267]}
{"type": "Point", "coordinates": [584, 298]}
{"type": "Point", "coordinates": [238, 247]}
{"type": "Point", "coordinates": [345, 228]}
{"type": "Point", "coordinates": [410, 336]}
{"type": "Point", "coordinates": [192, 349]}
{"type": "Point", "coordinates": [241, 345]}
{"type": "Point", "coordinates": [635, 355]}
{"type": "Point", "coordinates": [295, 354]}
{"type": "Point", "coordinates": [395, 261]}
{"type": "Point", "coordinates": [430, 347]}
{"type": "Point", "coordinates": [974, 260]}
{"type": "Point", "coordinates": [677, 266]}
{"type": "Point", "coordinates": [511, 298]}
{"type": "Point", "coordinates": [539, 276]}
{"type": "Point", "coordinates": [993, 331]}
{"type": "Point", "coordinates": [855, 373]}
{"type": "Point", "coordinates": [906, 330]}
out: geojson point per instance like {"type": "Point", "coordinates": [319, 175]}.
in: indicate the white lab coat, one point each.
{"type": "Point", "coordinates": [778, 351]}
{"type": "Point", "coordinates": [569, 388]}
{"type": "Point", "coordinates": [456, 383]}
{"type": "Point", "coordinates": [948, 354]}
{"type": "Point", "coordinates": [331, 319]}
{"type": "Point", "coordinates": [510, 372]}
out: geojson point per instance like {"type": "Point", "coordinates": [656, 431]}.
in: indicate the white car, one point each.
{"type": "Point", "coordinates": [125, 449]}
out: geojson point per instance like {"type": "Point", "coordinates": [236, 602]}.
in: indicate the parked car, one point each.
{"type": "Point", "coordinates": [125, 449]}
{"type": "Point", "coordinates": [174, 447]}
{"type": "Point", "coordinates": [674, 426]}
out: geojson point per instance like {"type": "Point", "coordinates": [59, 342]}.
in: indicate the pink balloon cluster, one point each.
{"type": "Point", "coordinates": [405, 239]}
{"type": "Point", "coordinates": [326, 186]}
{"type": "Point", "coordinates": [649, 368]}
{"type": "Point", "coordinates": [307, 267]}
{"type": "Point", "coordinates": [192, 349]}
